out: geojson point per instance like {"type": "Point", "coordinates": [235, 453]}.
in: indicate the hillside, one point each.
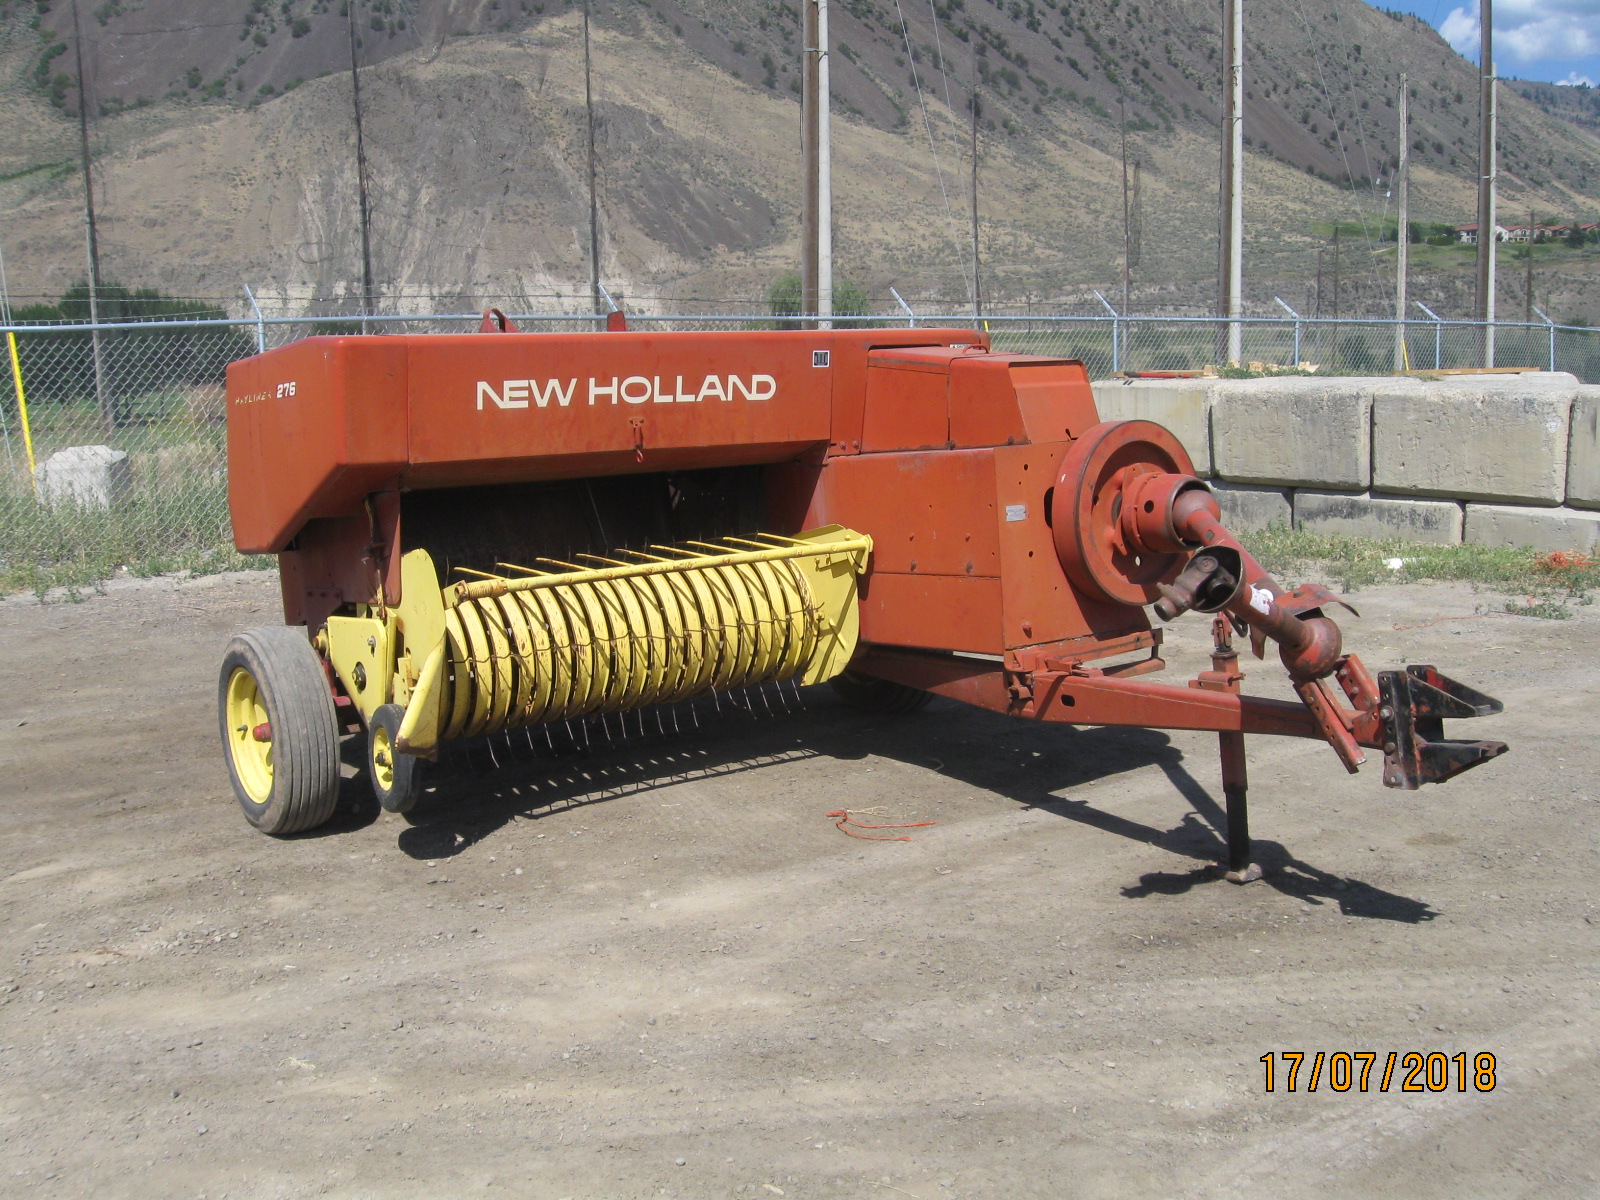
{"type": "Point", "coordinates": [1578, 105]}
{"type": "Point", "coordinates": [225, 146]}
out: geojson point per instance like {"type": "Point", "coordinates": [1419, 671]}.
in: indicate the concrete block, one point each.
{"type": "Point", "coordinates": [1181, 405]}
{"type": "Point", "coordinates": [93, 476]}
{"type": "Point", "coordinates": [1361, 514]}
{"type": "Point", "coordinates": [1292, 430]}
{"type": "Point", "coordinates": [1247, 507]}
{"type": "Point", "coordinates": [1541, 528]}
{"type": "Point", "coordinates": [1500, 441]}
{"type": "Point", "coordinates": [1583, 450]}
{"type": "Point", "coordinates": [1522, 381]}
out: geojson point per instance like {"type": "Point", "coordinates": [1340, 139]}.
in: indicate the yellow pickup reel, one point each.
{"type": "Point", "coordinates": [559, 641]}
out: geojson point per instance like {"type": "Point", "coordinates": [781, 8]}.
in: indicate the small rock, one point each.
{"type": "Point", "coordinates": [680, 1161]}
{"type": "Point", "coordinates": [202, 1129]}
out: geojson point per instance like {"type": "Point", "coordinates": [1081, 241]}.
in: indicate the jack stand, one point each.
{"type": "Point", "coordinates": [1225, 676]}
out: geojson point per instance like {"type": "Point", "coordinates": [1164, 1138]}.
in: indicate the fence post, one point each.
{"type": "Point", "coordinates": [1116, 334]}
{"type": "Point", "coordinates": [1296, 317]}
{"type": "Point", "coordinates": [611, 305]}
{"type": "Point", "coordinates": [911, 317]}
{"type": "Point", "coordinates": [1552, 326]}
{"type": "Point", "coordinates": [261, 325]}
{"type": "Point", "coordinates": [1438, 330]}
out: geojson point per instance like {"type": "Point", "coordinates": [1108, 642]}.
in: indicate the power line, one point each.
{"type": "Point", "coordinates": [927, 124]}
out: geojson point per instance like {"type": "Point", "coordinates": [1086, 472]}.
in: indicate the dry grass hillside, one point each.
{"type": "Point", "coordinates": [225, 147]}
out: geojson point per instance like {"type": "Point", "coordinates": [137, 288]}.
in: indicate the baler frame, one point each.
{"type": "Point", "coordinates": [937, 517]}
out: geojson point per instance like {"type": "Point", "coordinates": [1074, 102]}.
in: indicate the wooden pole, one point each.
{"type": "Point", "coordinates": [1336, 270]}
{"type": "Point", "coordinates": [1486, 177]}
{"type": "Point", "coordinates": [367, 299]}
{"type": "Point", "coordinates": [977, 277]}
{"type": "Point", "coordinates": [1233, 176]}
{"type": "Point", "coordinates": [1402, 259]}
{"type": "Point", "coordinates": [1127, 212]}
{"type": "Point", "coordinates": [810, 129]}
{"type": "Point", "coordinates": [594, 206]}
{"type": "Point", "coordinates": [1527, 298]}
{"type": "Point", "coordinates": [102, 404]}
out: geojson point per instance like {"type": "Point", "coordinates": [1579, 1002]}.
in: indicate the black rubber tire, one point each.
{"type": "Point", "coordinates": [397, 784]}
{"type": "Point", "coordinates": [878, 695]}
{"type": "Point", "coordinates": [298, 788]}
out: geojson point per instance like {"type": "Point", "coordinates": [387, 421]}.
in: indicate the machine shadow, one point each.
{"type": "Point", "coordinates": [487, 784]}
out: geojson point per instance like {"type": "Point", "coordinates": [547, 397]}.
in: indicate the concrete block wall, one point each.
{"type": "Point", "coordinates": [1493, 459]}
{"type": "Point", "coordinates": [1583, 455]}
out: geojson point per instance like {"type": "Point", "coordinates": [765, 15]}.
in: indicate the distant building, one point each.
{"type": "Point", "coordinates": [1534, 233]}
{"type": "Point", "coordinates": [1469, 234]}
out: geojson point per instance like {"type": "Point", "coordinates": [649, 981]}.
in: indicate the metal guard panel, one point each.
{"type": "Point", "coordinates": [313, 427]}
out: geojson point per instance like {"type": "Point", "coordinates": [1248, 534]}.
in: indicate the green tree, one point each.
{"type": "Point", "coordinates": [783, 297]}
{"type": "Point", "coordinates": [137, 364]}
{"type": "Point", "coordinates": [849, 300]}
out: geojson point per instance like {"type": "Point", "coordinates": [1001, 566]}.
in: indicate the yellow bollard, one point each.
{"type": "Point", "coordinates": [22, 409]}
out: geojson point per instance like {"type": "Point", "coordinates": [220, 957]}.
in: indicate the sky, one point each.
{"type": "Point", "coordinates": [1557, 41]}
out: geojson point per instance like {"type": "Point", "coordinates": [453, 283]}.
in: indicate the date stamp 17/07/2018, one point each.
{"type": "Point", "coordinates": [1375, 1071]}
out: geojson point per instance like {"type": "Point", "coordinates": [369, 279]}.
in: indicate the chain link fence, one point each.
{"type": "Point", "coordinates": [152, 393]}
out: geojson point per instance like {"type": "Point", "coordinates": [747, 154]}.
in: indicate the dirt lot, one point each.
{"type": "Point", "coordinates": [657, 969]}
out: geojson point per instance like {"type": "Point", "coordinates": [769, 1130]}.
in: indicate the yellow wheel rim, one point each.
{"type": "Point", "coordinates": [382, 759]}
{"type": "Point", "coordinates": [252, 759]}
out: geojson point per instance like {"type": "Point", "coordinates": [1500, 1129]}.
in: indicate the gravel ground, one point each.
{"type": "Point", "coordinates": [658, 969]}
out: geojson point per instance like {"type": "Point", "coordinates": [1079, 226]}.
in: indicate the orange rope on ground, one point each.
{"type": "Point", "coordinates": [1561, 559]}
{"type": "Point", "coordinates": [845, 819]}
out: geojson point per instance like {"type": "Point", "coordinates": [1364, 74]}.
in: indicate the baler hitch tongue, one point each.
{"type": "Point", "coordinates": [1415, 703]}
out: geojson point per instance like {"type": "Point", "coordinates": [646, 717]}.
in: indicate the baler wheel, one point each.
{"type": "Point", "coordinates": [279, 730]}
{"type": "Point", "coordinates": [396, 778]}
{"type": "Point", "coordinates": [878, 695]}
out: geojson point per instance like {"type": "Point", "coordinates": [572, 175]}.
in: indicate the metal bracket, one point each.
{"type": "Point", "coordinates": [1416, 702]}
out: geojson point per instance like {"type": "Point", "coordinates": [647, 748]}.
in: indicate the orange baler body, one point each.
{"type": "Point", "coordinates": [943, 452]}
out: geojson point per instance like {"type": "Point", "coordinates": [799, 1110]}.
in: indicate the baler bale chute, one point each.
{"type": "Point", "coordinates": [494, 532]}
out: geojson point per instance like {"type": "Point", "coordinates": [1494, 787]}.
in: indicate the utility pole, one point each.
{"type": "Point", "coordinates": [594, 207]}
{"type": "Point", "coordinates": [1486, 176]}
{"type": "Point", "coordinates": [361, 175]}
{"type": "Point", "coordinates": [1316, 308]}
{"type": "Point", "coordinates": [101, 404]}
{"type": "Point", "coordinates": [1402, 259]}
{"type": "Point", "coordinates": [1127, 222]}
{"type": "Point", "coordinates": [1527, 298]}
{"type": "Point", "coordinates": [1232, 272]}
{"type": "Point", "coordinates": [816, 227]}
{"type": "Point", "coordinates": [977, 287]}
{"type": "Point", "coordinates": [1336, 270]}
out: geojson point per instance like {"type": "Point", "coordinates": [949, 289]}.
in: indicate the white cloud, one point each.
{"type": "Point", "coordinates": [1530, 31]}
{"type": "Point", "coordinates": [1554, 38]}
{"type": "Point", "coordinates": [1573, 79]}
{"type": "Point", "coordinates": [1460, 29]}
